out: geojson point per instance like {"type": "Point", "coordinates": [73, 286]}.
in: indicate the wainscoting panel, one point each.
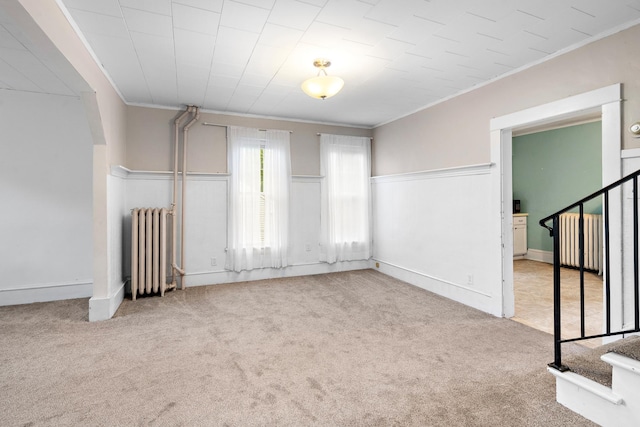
{"type": "Point", "coordinates": [433, 230]}
{"type": "Point", "coordinates": [304, 238]}
{"type": "Point", "coordinates": [206, 226]}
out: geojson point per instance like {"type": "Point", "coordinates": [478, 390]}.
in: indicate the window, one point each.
{"type": "Point", "coordinates": [260, 167]}
{"type": "Point", "coordinates": [345, 163]}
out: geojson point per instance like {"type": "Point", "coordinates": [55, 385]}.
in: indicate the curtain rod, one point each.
{"type": "Point", "coordinates": [226, 126]}
{"type": "Point", "coordinates": [370, 137]}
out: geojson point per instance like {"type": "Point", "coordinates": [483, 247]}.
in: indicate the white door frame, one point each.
{"type": "Point", "coordinates": [607, 101]}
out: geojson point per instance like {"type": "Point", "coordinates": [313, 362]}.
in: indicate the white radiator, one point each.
{"type": "Point", "coordinates": [148, 251]}
{"type": "Point", "coordinates": [570, 241]}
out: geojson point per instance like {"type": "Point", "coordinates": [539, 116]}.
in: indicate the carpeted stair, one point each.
{"type": "Point", "coordinates": [603, 385]}
{"type": "Point", "coordinates": [589, 365]}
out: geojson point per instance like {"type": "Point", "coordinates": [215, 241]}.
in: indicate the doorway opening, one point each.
{"type": "Point", "coordinates": [605, 102]}
{"type": "Point", "coordinates": [551, 167]}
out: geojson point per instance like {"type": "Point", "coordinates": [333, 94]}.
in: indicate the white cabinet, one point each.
{"type": "Point", "coordinates": [519, 235]}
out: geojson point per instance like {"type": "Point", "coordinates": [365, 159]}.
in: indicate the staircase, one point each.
{"type": "Point", "coordinates": [616, 403]}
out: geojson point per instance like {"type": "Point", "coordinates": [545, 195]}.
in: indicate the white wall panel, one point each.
{"type": "Point", "coordinates": [205, 226]}
{"type": "Point", "coordinates": [116, 194]}
{"type": "Point", "coordinates": [629, 166]}
{"type": "Point", "coordinates": [150, 191]}
{"type": "Point", "coordinates": [430, 230]}
{"type": "Point", "coordinates": [45, 188]}
{"type": "Point", "coordinates": [304, 238]}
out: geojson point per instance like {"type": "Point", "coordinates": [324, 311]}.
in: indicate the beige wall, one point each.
{"type": "Point", "coordinates": [150, 136]}
{"type": "Point", "coordinates": [456, 132]}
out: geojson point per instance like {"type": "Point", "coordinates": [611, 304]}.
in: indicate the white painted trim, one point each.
{"type": "Point", "coordinates": [608, 99]}
{"type": "Point", "coordinates": [612, 141]}
{"type": "Point", "coordinates": [622, 362]}
{"type": "Point", "coordinates": [306, 178]}
{"type": "Point", "coordinates": [125, 173]}
{"type": "Point", "coordinates": [630, 153]}
{"type": "Point", "coordinates": [456, 293]}
{"type": "Point", "coordinates": [46, 292]}
{"type": "Point", "coordinates": [48, 286]}
{"type": "Point", "coordinates": [539, 255]}
{"type": "Point", "coordinates": [573, 106]}
{"type": "Point", "coordinates": [555, 126]}
{"type": "Point", "coordinates": [479, 169]}
{"type": "Point", "coordinates": [105, 308]}
{"type": "Point", "coordinates": [506, 197]}
{"type": "Point", "coordinates": [290, 266]}
{"type": "Point", "coordinates": [438, 279]}
{"type": "Point", "coordinates": [297, 265]}
{"type": "Point", "coordinates": [205, 278]}
{"type": "Point", "coordinates": [588, 385]}
{"type": "Point", "coordinates": [612, 172]}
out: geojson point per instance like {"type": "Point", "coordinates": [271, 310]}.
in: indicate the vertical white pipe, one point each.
{"type": "Point", "coordinates": [184, 189]}
{"type": "Point", "coordinates": [174, 215]}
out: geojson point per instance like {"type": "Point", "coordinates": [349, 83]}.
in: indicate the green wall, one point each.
{"type": "Point", "coordinates": [553, 169]}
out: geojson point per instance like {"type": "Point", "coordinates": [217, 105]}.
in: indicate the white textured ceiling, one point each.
{"type": "Point", "coordinates": [29, 61]}
{"type": "Point", "coordinates": [250, 56]}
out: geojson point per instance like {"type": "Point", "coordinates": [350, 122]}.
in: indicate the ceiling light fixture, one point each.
{"type": "Point", "coordinates": [322, 86]}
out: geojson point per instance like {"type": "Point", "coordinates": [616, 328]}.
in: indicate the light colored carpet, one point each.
{"type": "Point", "coordinates": [345, 349]}
{"type": "Point", "coordinates": [590, 365]}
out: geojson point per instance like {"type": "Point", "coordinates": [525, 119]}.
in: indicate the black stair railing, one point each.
{"type": "Point", "coordinates": [555, 232]}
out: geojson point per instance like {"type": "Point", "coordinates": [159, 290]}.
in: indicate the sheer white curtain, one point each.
{"type": "Point", "coordinates": [260, 167]}
{"type": "Point", "coordinates": [345, 164]}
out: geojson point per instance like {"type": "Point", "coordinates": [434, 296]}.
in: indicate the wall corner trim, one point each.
{"type": "Point", "coordinates": [105, 308]}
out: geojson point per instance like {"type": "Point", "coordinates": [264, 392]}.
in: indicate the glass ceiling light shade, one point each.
{"type": "Point", "coordinates": [322, 86]}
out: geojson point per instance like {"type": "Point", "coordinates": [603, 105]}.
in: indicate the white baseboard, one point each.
{"type": "Point", "coordinates": [538, 255]}
{"type": "Point", "coordinates": [105, 308]}
{"type": "Point", "coordinates": [46, 292]}
{"type": "Point", "coordinates": [457, 292]}
{"type": "Point", "coordinates": [224, 276]}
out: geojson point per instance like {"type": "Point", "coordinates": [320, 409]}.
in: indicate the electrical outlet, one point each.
{"type": "Point", "coordinates": [214, 262]}
{"type": "Point", "coordinates": [377, 265]}
{"type": "Point", "coordinates": [470, 279]}
{"type": "Point", "coordinates": [307, 247]}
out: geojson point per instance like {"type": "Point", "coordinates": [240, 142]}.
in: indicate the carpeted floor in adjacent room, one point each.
{"type": "Point", "coordinates": [345, 349]}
